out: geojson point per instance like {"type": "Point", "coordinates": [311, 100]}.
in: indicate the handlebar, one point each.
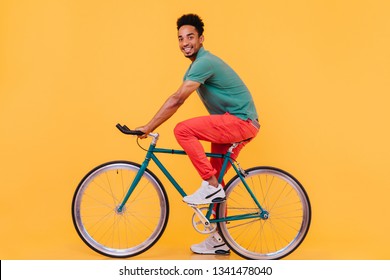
{"type": "Point", "coordinates": [124, 129]}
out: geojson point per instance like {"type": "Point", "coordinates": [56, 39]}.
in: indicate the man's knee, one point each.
{"type": "Point", "coordinates": [179, 130]}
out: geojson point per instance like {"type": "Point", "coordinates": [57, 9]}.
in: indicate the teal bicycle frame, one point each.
{"type": "Point", "coordinates": [150, 155]}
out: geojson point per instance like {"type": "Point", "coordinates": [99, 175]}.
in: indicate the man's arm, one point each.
{"type": "Point", "coordinates": [170, 106]}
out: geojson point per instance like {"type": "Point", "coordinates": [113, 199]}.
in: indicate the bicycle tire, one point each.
{"type": "Point", "coordinates": [288, 222]}
{"type": "Point", "coordinates": [128, 233]}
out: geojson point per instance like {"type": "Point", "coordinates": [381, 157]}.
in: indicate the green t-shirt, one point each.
{"type": "Point", "coordinates": [221, 90]}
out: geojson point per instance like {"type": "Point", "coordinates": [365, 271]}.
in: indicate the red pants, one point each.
{"type": "Point", "coordinates": [221, 131]}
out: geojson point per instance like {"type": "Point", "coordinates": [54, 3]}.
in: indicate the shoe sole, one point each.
{"type": "Point", "coordinates": [217, 252]}
{"type": "Point", "coordinates": [215, 200]}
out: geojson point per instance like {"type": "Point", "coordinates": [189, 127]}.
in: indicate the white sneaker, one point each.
{"type": "Point", "coordinates": [206, 194]}
{"type": "Point", "coordinates": [213, 245]}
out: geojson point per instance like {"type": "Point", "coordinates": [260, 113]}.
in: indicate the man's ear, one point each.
{"type": "Point", "coordinates": [201, 39]}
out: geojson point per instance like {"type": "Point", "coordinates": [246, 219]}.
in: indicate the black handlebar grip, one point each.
{"type": "Point", "coordinates": [124, 129]}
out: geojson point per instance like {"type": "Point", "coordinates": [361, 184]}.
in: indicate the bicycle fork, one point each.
{"type": "Point", "coordinates": [136, 180]}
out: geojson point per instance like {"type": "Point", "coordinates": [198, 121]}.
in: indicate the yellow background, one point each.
{"type": "Point", "coordinates": [71, 69]}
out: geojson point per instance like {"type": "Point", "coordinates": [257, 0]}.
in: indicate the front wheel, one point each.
{"type": "Point", "coordinates": [271, 236]}
{"type": "Point", "coordinates": [116, 233]}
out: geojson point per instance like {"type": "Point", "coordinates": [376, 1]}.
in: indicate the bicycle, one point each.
{"type": "Point", "coordinates": [120, 208]}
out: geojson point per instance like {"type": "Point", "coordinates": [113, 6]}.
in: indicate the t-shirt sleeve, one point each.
{"type": "Point", "coordinates": [200, 71]}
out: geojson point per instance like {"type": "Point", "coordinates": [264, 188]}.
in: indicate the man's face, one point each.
{"type": "Point", "coordinates": [189, 41]}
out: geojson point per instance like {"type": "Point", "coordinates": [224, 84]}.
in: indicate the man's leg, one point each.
{"type": "Point", "coordinates": [222, 149]}
{"type": "Point", "coordinates": [219, 129]}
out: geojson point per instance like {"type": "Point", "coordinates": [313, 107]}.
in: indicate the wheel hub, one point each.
{"type": "Point", "coordinates": [264, 215]}
{"type": "Point", "coordinates": [120, 210]}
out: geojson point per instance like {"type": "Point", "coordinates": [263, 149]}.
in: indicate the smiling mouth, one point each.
{"type": "Point", "coordinates": [189, 52]}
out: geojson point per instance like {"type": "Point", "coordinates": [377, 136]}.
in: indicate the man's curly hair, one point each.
{"type": "Point", "coordinates": [193, 20]}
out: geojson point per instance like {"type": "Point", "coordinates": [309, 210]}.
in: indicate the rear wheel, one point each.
{"type": "Point", "coordinates": [277, 234]}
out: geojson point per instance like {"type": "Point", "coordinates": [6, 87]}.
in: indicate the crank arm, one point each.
{"type": "Point", "coordinates": [202, 217]}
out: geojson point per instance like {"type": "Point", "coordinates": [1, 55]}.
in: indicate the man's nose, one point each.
{"type": "Point", "coordinates": [185, 42]}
